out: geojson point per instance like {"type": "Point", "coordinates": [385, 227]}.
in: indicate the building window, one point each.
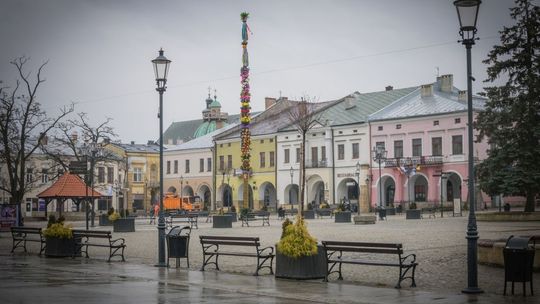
{"type": "Point", "coordinates": [176, 166]}
{"type": "Point", "coordinates": [286, 156]}
{"type": "Point", "coordinates": [187, 166]}
{"type": "Point", "coordinates": [297, 155]}
{"type": "Point", "coordinates": [398, 148]}
{"type": "Point", "coordinates": [380, 128]}
{"type": "Point", "coordinates": [101, 175]}
{"type": "Point", "coordinates": [341, 151]}
{"type": "Point", "coordinates": [457, 144]}
{"type": "Point", "coordinates": [380, 144]}
{"type": "Point", "coordinates": [417, 147]}
{"type": "Point", "coordinates": [44, 176]}
{"type": "Point", "coordinates": [110, 175]}
{"type": "Point", "coordinates": [271, 158]}
{"type": "Point", "coordinates": [435, 122]}
{"type": "Point", "coordinates": [137, 174]}
{"type": "Point", "coordinates": [168, 167]}
{"type": "Point", "coordinates": [271, 140]}
{"type": "Point", "coordinates": [29, 175]}
{"type": "Point", "coordinates": [229, 144]}
{"type": "Point", "coordinates": [229, 161]}
{"type": "Point", "coordinates": [355, 152]}
{"type": "Point", "coordinates": [262, 141]}
{"type": "Point", "coordinates": [221, 162]}
{"type": "Point", "coordinates": [436, 146]}
{"type": "Point", "coordinates": [209, 164]}
{"type": "Point", "coordinates": [262, 159]}
{"type": "Point", "coordinates": [323, 153]}
{"type": "Point", "coordinates": [457, 120]}
{"type": "Point", "coordinates": [355, 131]}
{"type": "Point", "coordinates": [201, 165]}
{"type": "Point", "coordinates": [398, 126]}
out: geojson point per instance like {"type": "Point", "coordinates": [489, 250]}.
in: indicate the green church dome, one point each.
{"type": "Point", "coordinates": [205, 128]}
{"type": "Point", "coordinates": [215, 104]}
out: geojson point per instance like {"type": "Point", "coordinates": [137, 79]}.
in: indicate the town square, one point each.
{"type": "Point", "coordinates": [270, 152]}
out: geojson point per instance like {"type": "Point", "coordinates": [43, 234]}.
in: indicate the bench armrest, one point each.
{"type": "Point", "coordinates": [207, 247]}
{"type": "Point", "coordinates": [411, 257]}
{"type": "Point", "coordinates": [122, 241]}
{"type": "Point", "coordinates": [270, 250]}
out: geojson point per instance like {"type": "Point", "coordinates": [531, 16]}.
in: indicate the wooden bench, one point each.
{"type": "Point", "coordinates": [21, 235]}
{"type": "Point", "coordinates": [202, 214]}
{"type": "Point", "coordinates": [430, 211]}
{"type": "Point", "coordinates": [264, 216]}
{"type": "Point", "coordinates": [212, 248]}
{"type": "Point", "coordinates": [89, 238]}
{"type": "Point", "coordinates": [334, 256]}
{"type": "Point", "coordinates": [324, 212]}
{"type": "Point", "coordinates": [189, 218]}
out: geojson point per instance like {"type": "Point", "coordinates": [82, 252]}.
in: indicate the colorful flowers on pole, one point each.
{"type": "Point", "coordinates": [245, 97]}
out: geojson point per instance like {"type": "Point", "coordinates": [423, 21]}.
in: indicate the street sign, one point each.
{"type": "Point", "coordinates": [78, 167]}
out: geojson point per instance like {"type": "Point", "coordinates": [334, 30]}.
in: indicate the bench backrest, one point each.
{"type": "Point", "coordinates": [26, 230]}
{"type": "Point", "coordinates": [92, 233]}
{"type": "Point", "coordinates": [230, 240]}
{"type": "Point", "coordinates": [388, 248]}
{"type": "Point", "coordinates": [190, 215]}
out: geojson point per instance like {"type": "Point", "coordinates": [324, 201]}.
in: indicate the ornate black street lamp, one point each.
{"type": "Point", "coordinates": [467, 11]}
{"type": "Point", "coordinates": [357, 174]}
{"type": "Point", "coordinates": [161, 68]}
{"type": "Point", "coordinates": [379, 155]}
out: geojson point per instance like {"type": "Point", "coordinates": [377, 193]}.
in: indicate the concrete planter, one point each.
{"type": "Point", "coordinates": [364, 219]}
{"type": "Point", "coordinates": [104, 220]}
{"type": "Point", "coordinates": [59, 248]}
{"type": "Point", "coordinates": [342, 217]}
{"type": "Point", "coordinates": [303, 268]}
{"type": "Point", "coordinates": [308, 214]}
{"type": "Point", "coordinates": [233, 215]}
{"type": "Point", "coordinates": [390, 211]}
{"type": "Point", "coordinates": [222, 221]}
{"type": "Point", "coordinates": [413, 214]}
{"type": "Point", "coordinates": [513, 216]}
{"type": "Point", "coordinates": [124, 225]}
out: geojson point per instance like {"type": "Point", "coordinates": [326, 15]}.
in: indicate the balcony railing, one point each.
{"type": "Point", "coordinates": [316, 163]}
{"type": "Point", "coordinates": [415, 160]}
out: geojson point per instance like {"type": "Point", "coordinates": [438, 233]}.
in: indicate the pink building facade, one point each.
{"type": "Point", "coordinates": [425, 138]}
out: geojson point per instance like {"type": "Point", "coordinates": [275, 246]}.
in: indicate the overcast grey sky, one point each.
{"type": "Point", "coordinates": [99, 51]}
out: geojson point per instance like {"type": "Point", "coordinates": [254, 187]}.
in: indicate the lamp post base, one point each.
{"type": "Point", "coordinates": [472, 290]}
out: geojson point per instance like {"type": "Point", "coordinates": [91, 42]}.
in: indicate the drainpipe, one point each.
{"type": "Point", "coordinates": [370, 167]}
{"type": "Point", "coordinates": [214, 166]}
{"type": "Point", "coordinates": [275, 170]}
{"type": "Point", "coordinates": [333, 169]}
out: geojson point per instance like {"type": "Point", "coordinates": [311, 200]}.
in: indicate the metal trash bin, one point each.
{"type": "Point", "coordinates": [518, 262]}
{"type": "Point", "coordinates": [178, 244]}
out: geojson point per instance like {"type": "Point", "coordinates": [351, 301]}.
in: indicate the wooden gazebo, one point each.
{"type": "Point", "coordinates": [69, 186]}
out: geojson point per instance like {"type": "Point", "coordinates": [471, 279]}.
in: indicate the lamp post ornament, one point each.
{"type": "Point", "coordinates": [245, 97]}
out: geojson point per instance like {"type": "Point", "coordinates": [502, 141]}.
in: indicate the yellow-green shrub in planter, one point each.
{"type": "Point", "coordinates": [297, 254]}
{"type": "Point", "coordinates": [59, 240]}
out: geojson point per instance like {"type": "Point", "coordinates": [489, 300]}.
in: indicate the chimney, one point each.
{"type": "Point", "coordinates": [427, 90]}
{"type": "Point", "coordinates": [132, 142]}
{"type": "Point", "coordinates": [349, 102]}
{"type": "Point", "coordinates": [74, 136]}
{"type": "Point", "coordinates": [106, 140]}
{"type": "Point", "coordinates": [268, 102]}
{"type": "Point", "coordinates": [462, 96]}
{"type": "Point", "coordinates": [447, 83]}
{"type": "Point", "coordinates": [150, 142]}
{"type": "Point", "coordinates": [389, 88]}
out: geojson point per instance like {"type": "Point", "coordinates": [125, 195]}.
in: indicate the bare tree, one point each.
{"type": "Point", "coordinates": [23, 125]}
{"type": "Point", "coordinates": [303, 116]}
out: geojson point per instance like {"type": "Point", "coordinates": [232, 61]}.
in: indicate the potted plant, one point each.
{"type": "Point", "coordinates": [342, 216]}
{"type": "Point", "coordinates": [222, 220]}
{"type": "Point", "coordinates": [391, 210]}
{"type": "Point", "coordinates": [104, 218]}
{"type": "Point", "coordinates": [59, 241]}
{"type": "Point", "coordinates": [232, 213]}
{"type": "Point", "coordinates": [310, 213]}
{"type": "Point", "coordinates": [412, 213]}
{"type": "Point", "coordinates": [297, 254]}
{"type": "Point", "coordinates": [122, 224]}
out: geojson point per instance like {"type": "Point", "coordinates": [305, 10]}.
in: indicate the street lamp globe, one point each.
{"type": "Point", "coordinates": [161, 69]}
{"type": "Point", "coordinates": [467, 11]}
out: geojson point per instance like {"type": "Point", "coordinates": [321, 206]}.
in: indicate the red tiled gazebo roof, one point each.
{"type": "Point", "coordinates": [69, 186]}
